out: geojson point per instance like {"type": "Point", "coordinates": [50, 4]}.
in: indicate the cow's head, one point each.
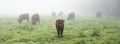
{"type": "Point", "coordinates": [60, 22]}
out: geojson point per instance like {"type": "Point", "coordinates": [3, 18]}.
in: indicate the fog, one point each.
{"type": "Point", "coordinates": [45, 7]}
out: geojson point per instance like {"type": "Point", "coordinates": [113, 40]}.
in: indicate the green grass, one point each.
{"type": "Point", "coordinates": [83, 30]}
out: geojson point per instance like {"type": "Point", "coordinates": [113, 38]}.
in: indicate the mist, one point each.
{"type": "Point", "coordinates": [45, 7]}
{"type": "Point", "coordinates": [59, 21]}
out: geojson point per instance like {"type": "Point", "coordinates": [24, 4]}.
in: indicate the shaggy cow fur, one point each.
{"type": "Point", "coordinates": [71, 16]}
{"type": "Point", "coordinates": [22, 17]}
{"type": "Point", "coordinates": [60, 27]}
{"type": "Point", "coordinates": [35, 18]}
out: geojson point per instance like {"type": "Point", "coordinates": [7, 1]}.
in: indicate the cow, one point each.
{"type": "Point", "coordinates": [53, 14]}
{"type": "Point", "coordinates": [24, 16]}
{"type": "Point", "coordinates": [98, 14]}
{"type": "Point", "coordinates": [60, 27]}
{"type": "Point", "coordinates": [71, 16]}
{"type": "Point", "coordinates": [35, 18]}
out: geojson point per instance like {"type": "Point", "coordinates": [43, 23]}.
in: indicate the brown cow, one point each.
{"type": "Point", "coordinates": [35, 18]}
{"type": "Point", "coordinates": [22, 17]}
{"type": "Point", "coordinates": [71, 16]}
{"type": "Point", "coordinates": [98, 14]}
{"type": "Point", "coordinates": [60, 27]}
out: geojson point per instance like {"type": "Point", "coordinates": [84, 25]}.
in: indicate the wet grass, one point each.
{"type": "Point", "coordinates": [80, 31]}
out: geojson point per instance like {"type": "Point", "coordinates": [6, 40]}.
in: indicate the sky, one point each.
{"type": "Point", "coordinates": [48, 6]}
{"type": "Point", "coordinates": [23, 6]}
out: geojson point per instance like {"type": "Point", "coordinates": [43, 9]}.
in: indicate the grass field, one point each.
{"type": "Point", "coordinates": [83, 30]}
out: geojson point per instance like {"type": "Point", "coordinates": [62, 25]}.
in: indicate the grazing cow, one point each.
{"type": "Point", "coordinates": [35, 18]}
{"type": "Point", "coordinates": [53, 14]}
{"type": "Point", "coordinates": [71, 16]}
{"type": "Point", "coordinates": [22, 17]}
{"type": "Point", "coordinates": [98, 14]}
{"type": "Point", "coordinates": [60, 27]}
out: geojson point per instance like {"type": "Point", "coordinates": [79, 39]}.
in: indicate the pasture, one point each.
{"type": "Point", "coordinates": [82, 30]}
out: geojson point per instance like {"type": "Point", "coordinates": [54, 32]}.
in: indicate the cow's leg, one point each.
{"type": "Point", "coordinates": [33, 23]}
{"type": "Point", "coordinates": [58, 32]}
{"type": "Point", "coordinates": [61, 33]}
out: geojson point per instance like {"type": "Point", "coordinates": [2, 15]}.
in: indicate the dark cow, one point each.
{"type": "Point", "coordinates": [71, 16]}
{"type": "Point", "coordinates": [98, 14]}
{"type": "Point", "coordinates": [22, 17]}
{"type": "Point", "coordinates": [35, 18]}
{"type": "Point", "coordinates": [60, 27]}
{"type": "Point", "coordinates": [53, 14]}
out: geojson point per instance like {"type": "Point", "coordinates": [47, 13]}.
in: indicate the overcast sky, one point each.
{"type": "Point", "coordinates": [21, 6]}
{"type": "Point", "coordinates": [47, 6]}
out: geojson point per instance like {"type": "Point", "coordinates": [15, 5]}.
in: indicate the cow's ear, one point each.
{"type": "Point", "coordinates": [56, 20]}
{"type": "Point", "coordinates": [63, 20]}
